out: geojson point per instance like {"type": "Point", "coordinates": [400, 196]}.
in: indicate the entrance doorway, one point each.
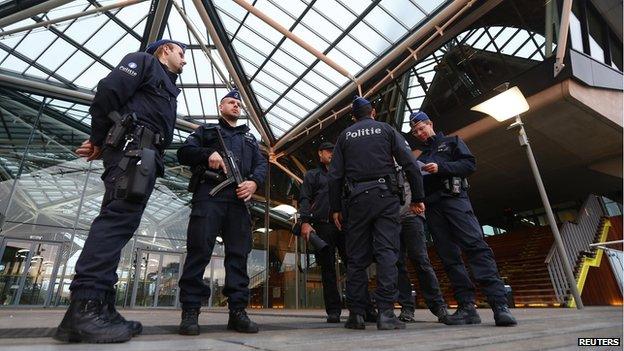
{"type": "Point", "coordinates": [28, 271]}
{"type": "Point", "coordinates": [155, 279]}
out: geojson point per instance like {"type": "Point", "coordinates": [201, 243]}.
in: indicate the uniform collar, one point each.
{"type": "Point", "coordinates": [225, 125]}
{"type": "Point", "coordinates": [434, 138]}
{"type": "Point", "coordinates": [172, 76]}
{"type": "Point", "coordinates": [323, 168]}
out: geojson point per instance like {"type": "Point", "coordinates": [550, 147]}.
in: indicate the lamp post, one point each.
{"type": "Point", "coordinates": [507, 104]}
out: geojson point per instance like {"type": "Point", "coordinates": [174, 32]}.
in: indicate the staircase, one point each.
{"type": "Point", "coordinates": [520, 258]}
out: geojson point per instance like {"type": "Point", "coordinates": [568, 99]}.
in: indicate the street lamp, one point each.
{"type": "Point", "coordinates": [507, 104]}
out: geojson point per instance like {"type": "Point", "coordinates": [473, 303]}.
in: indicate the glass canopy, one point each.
{"type": "Point", "coordinates": [287, 82]}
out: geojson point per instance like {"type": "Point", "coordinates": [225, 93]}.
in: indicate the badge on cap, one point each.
{"type": "Point", "coordinates": [234, 94]}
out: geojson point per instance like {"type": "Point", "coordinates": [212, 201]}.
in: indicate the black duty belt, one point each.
{"type": "Point", "coordinates": [145, 137]}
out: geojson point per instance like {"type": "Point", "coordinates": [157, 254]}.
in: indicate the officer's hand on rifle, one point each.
{"type": "Point", "coordinates": [337, 216]}
{"type": "Point", "coordinates": [417, 207]}
{"type": "Point", "coordinates": [88, 150]}
{"type": "Point", "coordinates": [306, 229]}
{"type": "Point", "coordinates": [246, 189]}
{"type": "Point", "coordinates": [430, 168]}
{"type": "Point", "coordinates": [215, 161]}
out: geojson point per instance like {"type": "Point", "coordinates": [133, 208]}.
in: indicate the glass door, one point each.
{"type": "Point", "coordinates": [28, 271]}
{"type": "Point", "coordinates": [155, 279]}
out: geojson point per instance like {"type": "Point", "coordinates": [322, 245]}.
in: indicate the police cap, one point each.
{"type": "Point", "coordinates": [326, 145]}
{"type": "Point", "coordinates": [234, 94]}
{"type": "Point", "coordinates": [417, 117]}
{"type": "Point", "coordinates": [359, 102]}
{"type": "Point", "coordinates": [151, 48]}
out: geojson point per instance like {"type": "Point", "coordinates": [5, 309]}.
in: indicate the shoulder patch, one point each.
{"type": "Point", "coordinates": [127, 70]}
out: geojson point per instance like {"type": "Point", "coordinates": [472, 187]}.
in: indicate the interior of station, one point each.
{"type": "Point", "coordinates": [438, 56]}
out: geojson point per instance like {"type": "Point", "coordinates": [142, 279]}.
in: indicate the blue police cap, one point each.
{"type": "Point", "coordinates": [151, 48]}
{"type": "Point", "coordinates": [326, 145]}
{"type": "Point", "coordinates": [232, 94]}
{"type": "Point", "coordinates": [359, 102]}
{"type": "Point", "coordinates": [417, 117]}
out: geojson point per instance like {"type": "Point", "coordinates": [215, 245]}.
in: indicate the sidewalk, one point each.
{"type": "Point", "coordinates": [294, 330]}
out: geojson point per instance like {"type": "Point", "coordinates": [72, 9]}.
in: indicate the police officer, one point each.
{"type": "Point", "coordinates": [454, 226]}
{"type": "Point", "coordinates": [363, 161]}
{"type": "Point", "coordinates": [414, 246]}
{"type": "Point", "coordinates": [143, 84]}
{"type": "Point", "coordinates": [223, 214]}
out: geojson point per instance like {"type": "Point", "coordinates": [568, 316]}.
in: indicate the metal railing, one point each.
{"type": "Point", "coordinates": [576, 239]}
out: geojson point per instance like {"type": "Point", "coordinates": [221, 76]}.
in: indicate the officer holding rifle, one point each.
{"type": "Point", "coordinates": [227, 170]}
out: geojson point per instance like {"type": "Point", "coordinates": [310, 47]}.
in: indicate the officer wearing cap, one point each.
{"type": "Point", "coordinates": [315, 216]}
{"type": "Point", "coordinates": [364, 164]}
{"type": "Point", "coordinates": [453, 224]}
{"type": "Point", "coordinates": [142, 84]}
{"type": "Point", "coordinates": [222, 214]}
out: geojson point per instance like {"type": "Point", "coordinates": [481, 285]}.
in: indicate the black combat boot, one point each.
{"type": "Point", "coordinates": [440, 312]}
{"type": "Point", "coordinates": [240, 322]}
{"type": "Point", "coordinates": [370, 315]}
{"type": "Point", "coordinates": [87, 321]}
{"type": "Point", "coordinates": [114, 316]}
{"type": "Point", "coordinates": [387, 320]}
{"type": "Point", "coordinates": [502, 316]}
{"type": "Point", "coordinates": [333, 317]}
{"type": "Point", "coordinates": [189, 324]}
{"type": "Point", "coordinates": [355, 321]}
{"type": "Point", "coordinates": [407, 315]}
{"type": "Point", "coordinates": [466, 313]}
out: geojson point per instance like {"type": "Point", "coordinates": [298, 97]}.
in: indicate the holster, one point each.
{"type": "Point", "coordinates": [121, 128]}
{"type": "Point", "coordinates": [139, 169]}
{"type": "Point", "coordinates": [397, 185]}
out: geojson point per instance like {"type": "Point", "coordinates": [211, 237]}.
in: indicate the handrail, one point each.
{"type": "Point", "coordinates": [588, 262]}
{"type": "Point", "coordinates": [576, 238]}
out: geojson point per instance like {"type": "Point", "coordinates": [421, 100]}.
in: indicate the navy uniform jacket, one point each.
{"type": "Point", "coordinates": [454, 159]}
{"type": "Point", "coordinates": [139, 84]}
{"type": "Point", "coordinates": [204, 141]}
{"type": "Point", "coordinates": [367, 150]}
{"type": "Point", "coordinates": [314, 197]}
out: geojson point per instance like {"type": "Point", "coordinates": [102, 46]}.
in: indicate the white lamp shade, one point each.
{"type": "Point", "coordinates": [505, 105]}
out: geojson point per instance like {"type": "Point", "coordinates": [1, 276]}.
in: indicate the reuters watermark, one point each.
{"type": "Point", "coordinates": [599, 342]}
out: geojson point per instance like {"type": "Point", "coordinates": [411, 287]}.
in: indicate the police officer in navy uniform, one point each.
{"type": "Point", "coordinates": [223, 214]}
{"type": "Point", "coordinates": [414, 248]}
{"type": "Point", "coordinates": [144, 84]}
{"type": "Point", "coordinates": [364, 162]}
{"type": "Point", "coordinates": [315, 216]}
{"type": "Point", "coordinates": [454, 226]}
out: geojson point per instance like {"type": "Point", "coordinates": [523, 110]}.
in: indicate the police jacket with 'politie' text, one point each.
{"type": "Point", "coordinates": [314, 197]}
{"type": "Point", "coordinates": [204, 141]}
{"type": "Point", "coordinates": [453, 158]}
{"type": "Point", "coordinates": [139, 84]}
{"type": "Point", "coordinates": [367, 150]}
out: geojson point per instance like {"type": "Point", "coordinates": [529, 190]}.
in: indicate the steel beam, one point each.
{"type": "Point", "coordinates": [381, 65]}
{"type": "Point", "coordinates": [209, 16]}
{"type": "Point", "coordinates": [8, 19]}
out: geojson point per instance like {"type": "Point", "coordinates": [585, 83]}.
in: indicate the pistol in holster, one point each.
{"type": "Point", "coordinates": [123, 125]}
{"type": "Point", "coordinates": [139, 170]}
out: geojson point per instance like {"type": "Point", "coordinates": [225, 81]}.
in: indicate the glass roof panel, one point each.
{"type": "Point", "coordinates": [289, 82]}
